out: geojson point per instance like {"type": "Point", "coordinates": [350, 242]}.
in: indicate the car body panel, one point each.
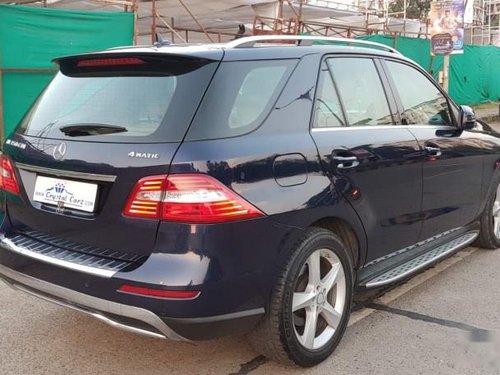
{"type": "Point", "coordinates": [282, 167]}
{"type": "Point", "coordinates": [385, 188]}
{"type": "Point", "coordinates": [105, 227]}
{"type": "Point", "coordinates": [460, 164]}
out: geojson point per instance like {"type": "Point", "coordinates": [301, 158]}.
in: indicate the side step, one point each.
{"type": "Point", "coordinates": [403, 270]}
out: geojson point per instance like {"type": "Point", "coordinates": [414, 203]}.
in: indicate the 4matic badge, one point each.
{"type": "Point", "coordinates": [143, 155]}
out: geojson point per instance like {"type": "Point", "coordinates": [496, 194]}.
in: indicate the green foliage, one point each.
{"type": "Point", "coordinates": [416, 9]}
{"type": "Point", "coordinates": [474, 75]}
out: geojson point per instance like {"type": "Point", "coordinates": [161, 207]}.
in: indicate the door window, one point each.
{"type": "Point", "coordinates": [422, 101]}
{"type": "Point", "coordinates": [361, 91]}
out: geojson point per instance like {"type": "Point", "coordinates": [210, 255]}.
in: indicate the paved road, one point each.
{"type": "Point", "coordinates": [449, 324]}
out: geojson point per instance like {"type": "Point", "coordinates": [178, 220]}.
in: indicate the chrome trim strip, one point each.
{"type": "Point", "coordinates": [88, 304]}
{"type": "Point", "coordinates": [373, 127]}
{"type": "Point", "coordinates": [100, 317]}
{"type": "Point", "coordinates": [424, 264]}
{"type": "Point", "coordinates": [223, 317]}
{"type": "Point", "coordinates": [63, 173]}
{"type": "Point", "coordinates": [9, 245]}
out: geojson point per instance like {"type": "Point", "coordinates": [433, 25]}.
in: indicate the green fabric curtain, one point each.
{"type": "Point", "coordinates": [474, 75]}
{"type": "Point", "coordinates": [31, 37]}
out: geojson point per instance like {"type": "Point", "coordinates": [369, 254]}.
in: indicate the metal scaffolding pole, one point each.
{"type": "Point", "coordinates": [171, 29]}
{"type": "Point", "coordinates": [196, 20]}
{"type": "Point", "coordinates": [153, 21]}
{"type": "Point", "coordinates": [404, 18]}
{"type": "Point", "coordinates": [489, 22]}
{"type": "Point", "coordinates": [135, 9]}
{"type": "Point", "coordinates": [2, 119]}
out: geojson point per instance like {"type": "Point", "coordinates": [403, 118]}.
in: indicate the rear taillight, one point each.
{"type": "Point", "coordinates": [145, 199]}
{"type": "Point", "coordinates": [187, 198]}
{"type": "Point", "coordinates": [159, 293]}
{"type": "Point", "coordinates": [8, 180]}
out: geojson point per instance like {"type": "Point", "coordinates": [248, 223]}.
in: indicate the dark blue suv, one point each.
{"type": "Point", "coordinates": [188, 192]}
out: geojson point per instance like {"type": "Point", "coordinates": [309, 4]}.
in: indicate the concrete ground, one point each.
{"type": "Point", "coordinates": [443, 321]}
{"type": "Point", "coordinates": [489, 112]}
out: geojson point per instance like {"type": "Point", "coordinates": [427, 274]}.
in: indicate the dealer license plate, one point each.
{"type": "Point", "coordinates": [65, 193]}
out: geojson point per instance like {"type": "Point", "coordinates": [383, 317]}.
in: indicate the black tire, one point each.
{"type": "Point", "coordinates": [275, 336]}
{"type": "Point", "coordinates": [487, 238]}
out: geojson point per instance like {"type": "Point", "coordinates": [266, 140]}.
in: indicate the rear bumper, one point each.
{"type": "Point", "coordinates": [131, 318]}
{"type": "Point", "coordinates": [231, 266]}
{"type": "Point", "coordinates": [115, 314]}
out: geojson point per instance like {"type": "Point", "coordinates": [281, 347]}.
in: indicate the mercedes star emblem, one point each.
{"type": "Point", "coordinates": [59, 151]}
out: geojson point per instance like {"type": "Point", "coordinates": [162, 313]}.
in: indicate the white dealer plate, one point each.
{"type": "Point", "coordinates": [65, 193]}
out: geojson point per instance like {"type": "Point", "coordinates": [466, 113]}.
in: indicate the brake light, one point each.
{"type": "Point", "coordinates": [8, 180]}
{"type": "Point", "coordinates": [187, 198]}
{"type": "Point", "coordinates": [145, 199]}
{"type": "Point", "coordinates": [159, 293]}
{"type": "Point", "coordinates": [111, 61]}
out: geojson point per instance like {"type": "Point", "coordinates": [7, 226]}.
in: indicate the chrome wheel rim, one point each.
{"type": "Point", "coordinates": [496, 214]}
{"type": "Point", "coordinates": [319, 299]}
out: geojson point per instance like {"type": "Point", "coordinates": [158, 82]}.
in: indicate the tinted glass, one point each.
{"type": "Point", "coordinates": [361, 91]}
{"type": "Point", "coordinates": [422, 101]}
{"type": "Point", "coordinates": [118, 108]}
{"type": "Point", "coordinates": [239, 98]}
{"type": "Point", "coordinates": [327, 109]}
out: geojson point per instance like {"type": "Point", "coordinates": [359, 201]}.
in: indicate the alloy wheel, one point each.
{"type": "Point", "coordinates": [496, 214]}
{"type": "Point", "coordinates": [319, 299]}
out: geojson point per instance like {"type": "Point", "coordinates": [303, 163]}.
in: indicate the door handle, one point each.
{"type": "Point", "coordinates": [433, 151]}
{"type": "Point", "coordinates": [344, 162]}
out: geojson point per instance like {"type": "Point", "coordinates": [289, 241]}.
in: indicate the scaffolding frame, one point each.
{"type": "Point", "coordinates": [376, 20]}
{"type": "Point", "coordinates": [482, 30]}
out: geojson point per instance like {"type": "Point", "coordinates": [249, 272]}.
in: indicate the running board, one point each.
{"type": "Point", "coordinates": [422, 261]}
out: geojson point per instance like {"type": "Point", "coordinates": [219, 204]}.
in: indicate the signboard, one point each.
{"type": "Point", "coordinates": [447, 27]}
{"type": "Point", "coordinates": [441, 44]}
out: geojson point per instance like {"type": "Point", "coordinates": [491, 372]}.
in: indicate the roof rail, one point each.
{"type": "Point", "coordinates": [303, 40]}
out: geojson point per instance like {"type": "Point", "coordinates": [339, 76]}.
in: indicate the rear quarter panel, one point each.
{"type": "Point", "coordinates": [247, 164]}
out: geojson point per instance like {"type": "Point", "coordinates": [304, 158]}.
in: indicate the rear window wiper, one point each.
{"type": "Point", "coordinates": [81, 130]}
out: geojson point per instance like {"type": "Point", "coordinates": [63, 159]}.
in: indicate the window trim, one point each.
{"type": "Point", "coordinates": [391, 102]}
{"type": "Point", "coordinates": [387, 82]}
{"type": "Point", "coordinates": [451, 105]}
{"type": "Point", "coordinates": [324, 70]}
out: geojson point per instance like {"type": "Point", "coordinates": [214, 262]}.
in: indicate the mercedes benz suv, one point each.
{"type": "Point", "coordinates": [189, 192]}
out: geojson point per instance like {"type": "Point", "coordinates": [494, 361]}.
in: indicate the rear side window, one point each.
{"type": "Point", "coordinates": [361, 91]}
{"type": "Point", "coordinates": [239, 98]}
{"type": "Point", "coordinates": [141, 106]}
{"type": "Point", "coordinates": [422, 101]}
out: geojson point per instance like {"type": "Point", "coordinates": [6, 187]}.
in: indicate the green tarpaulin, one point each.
{"type": "Point", "coordinates": [31, 37]}
{"type": "Point", "coordinates": [474, 75]}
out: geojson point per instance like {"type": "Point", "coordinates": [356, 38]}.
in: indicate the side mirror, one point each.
{"type": "Point", "coordinates": [467, 118]}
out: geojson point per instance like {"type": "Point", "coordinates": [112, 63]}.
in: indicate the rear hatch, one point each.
{"type": "Point", "coordinates": [103, 123]}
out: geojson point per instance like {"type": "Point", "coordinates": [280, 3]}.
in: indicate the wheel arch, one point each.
{"type": "Point", "coordinates": [489, 186]}
{"type": "Point", "coordinates": [350, 238]}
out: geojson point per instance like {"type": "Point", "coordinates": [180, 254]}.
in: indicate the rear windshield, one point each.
{"type": "Point", "coordinates": [240, 98]}
{"type": "Point", "coordinates": [116, 107]}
